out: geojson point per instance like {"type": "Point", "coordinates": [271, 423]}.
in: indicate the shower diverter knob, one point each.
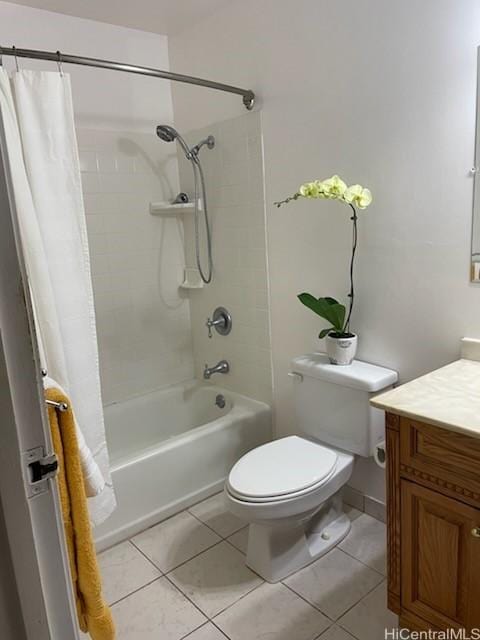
{"type": "Point", "coordinates": [221, 321]}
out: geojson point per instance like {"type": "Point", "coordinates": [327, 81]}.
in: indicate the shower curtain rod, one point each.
{"type": "Point", "coordinates": [247, 95]}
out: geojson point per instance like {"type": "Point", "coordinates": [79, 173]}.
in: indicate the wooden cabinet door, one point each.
{"type": "Point", "coordinates": [440, 558]}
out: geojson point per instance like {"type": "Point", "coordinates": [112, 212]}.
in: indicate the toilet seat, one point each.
{"type": "Point", "coordinates": [271, 473]}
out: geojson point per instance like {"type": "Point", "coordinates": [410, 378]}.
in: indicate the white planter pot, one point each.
{"type": "Point", "coordinates": [341, 351]}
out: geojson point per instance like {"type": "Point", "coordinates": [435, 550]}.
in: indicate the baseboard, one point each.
{"type": "Point", "coordinates": [362, 502]}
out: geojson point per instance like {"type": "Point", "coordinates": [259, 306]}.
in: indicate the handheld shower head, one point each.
{"type": "Point", "coordinates": [166, 133]}
{"type": "Point", "coordinates": [169, 134]}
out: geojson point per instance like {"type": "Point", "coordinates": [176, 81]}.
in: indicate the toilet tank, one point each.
{"type": "Point", "coordinates": [332, 402]}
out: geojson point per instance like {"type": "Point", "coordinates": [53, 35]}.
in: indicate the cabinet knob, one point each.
{"type": "Point", "coordinates": [476, 532]}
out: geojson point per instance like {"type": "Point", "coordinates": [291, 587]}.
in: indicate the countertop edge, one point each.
{"type": "Point", "coordinates": [427, 420]}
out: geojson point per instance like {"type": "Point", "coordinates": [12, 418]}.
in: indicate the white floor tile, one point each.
{"type": "Point", "coordinates": [215, 579]}
{"type": "Point", "coordinates": [208, 632]}
{"type": "Point", "coordinates": [240, 540]}
{"type": "Point", "coordinates": [214, 513]}
{"type": "Point", "coordinates": [272, 611]}
{"type": "Point", "coordinates": [124, 570]}
{"type": "Point", "coordinates": [174, 541]}
{"type": "Point", "coordinates": [334, 633]}
{"type": "Point", "coordinates": [334, 583]}
{"type": "Point", "coordinates": [367, 542]}
{"type": "Point", "coordinates": [158, 610]}
{"type": "Point", "coordinates": [370, 617]}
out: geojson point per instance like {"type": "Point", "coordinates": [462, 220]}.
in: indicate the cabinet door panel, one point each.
{"type": "Point", "coordinates": [440, 557]}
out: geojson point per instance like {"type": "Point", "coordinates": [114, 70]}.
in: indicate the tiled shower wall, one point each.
{"type": "Point", "coordinates": [235, 189]}
{"type": "Point", "coordinates": [137, 260]}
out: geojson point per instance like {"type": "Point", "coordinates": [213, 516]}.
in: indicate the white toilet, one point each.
{"type": "Point", "coordinates": [289, 490]}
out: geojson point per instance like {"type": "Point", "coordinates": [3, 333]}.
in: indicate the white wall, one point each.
{"type": "Point", "coordinates": [235, 193]}
{"type": "Point", "coordinates": [382, 93]}
{"type": "Point", "coordinates": [102, 99]}
{"type": "Point", "coordinates": [137, 261]}
{"type": "Point", "coordinates": [143, 324]}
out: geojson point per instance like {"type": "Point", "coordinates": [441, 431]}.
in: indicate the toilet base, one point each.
{"type": "Point", "coordinates": [275, 552]}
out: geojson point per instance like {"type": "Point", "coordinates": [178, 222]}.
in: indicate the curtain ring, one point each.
{"type": "Point", "coordinates": [59, 63]}
{"type": "Point", "coordinates": [16, 59]}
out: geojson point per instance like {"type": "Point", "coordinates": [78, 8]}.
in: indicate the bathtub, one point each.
{"type": "Point", "coordinates": [172, 448]}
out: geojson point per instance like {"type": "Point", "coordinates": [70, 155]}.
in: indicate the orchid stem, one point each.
{"type": "Point", "coordinates": [351, 295]}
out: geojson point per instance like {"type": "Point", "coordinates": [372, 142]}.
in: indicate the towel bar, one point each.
{"type": "Point", "coordinates": [61, 406]}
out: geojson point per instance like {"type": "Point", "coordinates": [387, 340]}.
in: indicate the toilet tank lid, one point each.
{"type": "Point", "coordinates": [358, 375]}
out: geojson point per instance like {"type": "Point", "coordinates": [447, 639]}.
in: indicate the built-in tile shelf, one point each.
{"type": "Point", "coordinates": [165, 208]}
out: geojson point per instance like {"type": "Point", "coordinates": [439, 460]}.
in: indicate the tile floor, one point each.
{"type": "Point", "coordinates": [186, 578]}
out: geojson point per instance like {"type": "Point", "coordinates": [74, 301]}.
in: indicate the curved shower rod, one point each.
{"type": "Point", "coordinates": [248, 96]}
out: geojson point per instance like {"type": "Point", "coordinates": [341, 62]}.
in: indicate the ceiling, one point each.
{"type": "Point", "coordinates": [158, 16]}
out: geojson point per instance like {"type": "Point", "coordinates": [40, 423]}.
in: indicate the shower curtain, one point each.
{"type": "Point", "coordinates": [42, 150]}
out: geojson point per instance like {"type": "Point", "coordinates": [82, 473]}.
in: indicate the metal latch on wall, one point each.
{"type": "Point", "coordinates": [38, 468]}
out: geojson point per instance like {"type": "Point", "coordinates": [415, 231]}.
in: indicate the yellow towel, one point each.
{"type": "Point", "coordinates": [94, 615]}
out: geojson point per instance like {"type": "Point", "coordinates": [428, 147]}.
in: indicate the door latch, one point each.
{"type": "Point", "coordinates": [38, 468]}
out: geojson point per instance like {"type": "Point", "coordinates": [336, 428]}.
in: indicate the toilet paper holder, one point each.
{"type": "Point", "coordinates": [380, 455]}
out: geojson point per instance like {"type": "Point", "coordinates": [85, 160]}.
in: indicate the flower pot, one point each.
{"type": "Point", "coordinates": [341, 350]}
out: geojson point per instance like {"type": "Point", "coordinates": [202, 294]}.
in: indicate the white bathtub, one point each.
{"type": "Point", "coordinates": [172, 448]}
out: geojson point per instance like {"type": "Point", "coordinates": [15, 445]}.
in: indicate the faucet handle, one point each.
{"type": "Point", "coordinates": [209, 325]}
{"type": "Point", "coordinates": [221, 320]}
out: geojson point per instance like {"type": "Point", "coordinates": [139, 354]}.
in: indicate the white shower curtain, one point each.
{"type": "Point", "coordinates": [42, 150]}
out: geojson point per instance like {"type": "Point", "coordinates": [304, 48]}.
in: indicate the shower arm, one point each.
{"type": "Point", "coordinates": [248, 96]}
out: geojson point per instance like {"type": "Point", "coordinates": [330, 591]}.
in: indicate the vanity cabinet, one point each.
{"type": "Point", "coordinates": [433, 525]}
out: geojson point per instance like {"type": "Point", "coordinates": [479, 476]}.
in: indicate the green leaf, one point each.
{"type": "Point", "coordinates": [324, 332]}
{"type": "Point", "coordinates": [327, 308]}
{"type": "Point", "coordinates": [309, 301]}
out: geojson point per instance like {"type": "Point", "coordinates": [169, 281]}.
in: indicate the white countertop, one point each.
{"type": "Point", "coordinates": [448, 397]}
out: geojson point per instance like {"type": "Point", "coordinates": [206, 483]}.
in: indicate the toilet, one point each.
{"type": "Point", "coordinates": [289, 490]}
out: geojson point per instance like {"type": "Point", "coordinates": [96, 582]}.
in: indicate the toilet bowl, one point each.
{"type": "Point", "coordinates": [289, 490]}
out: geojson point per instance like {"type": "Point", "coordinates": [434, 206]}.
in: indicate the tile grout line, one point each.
{"type": "Point", "coordinates": [236, 602]}
{"type": "Point", "coordinates": [191, 602]}
{"type": "Point", "coordinates": [310, 603]}
{"type": "Point", "coordinates": [201, 627]}
{"type": "Point", "coordinates": [221, 631]}
{"type": "Point", "coordinates": [361, 562]}
{"type": "Point", "coordinates": [356, 604]}
{"type": "Point", "coordinates": [222, 538]}
{"type": "Point", "coordinates": [244, 555]}
{"type": "Point", "coordinates": [335, 621]}
{"type": "Point", "coordinates": [212, 529]}
{"type": "Point", "coordinates": [222, 610]}
{"type": "Point", "coordinates": [145, 556]}
{"type": "Point", "coordinates": [194, 631]}
{"type": "Point", "coordinates": [165, 573]}
{"type": "Point", "coordinates": [147, 584]}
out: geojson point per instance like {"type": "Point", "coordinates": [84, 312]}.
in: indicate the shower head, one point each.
{"type": "Point", "coordinates": [169, 134]}
{"type": "Point", "coordinates": [166, 133]}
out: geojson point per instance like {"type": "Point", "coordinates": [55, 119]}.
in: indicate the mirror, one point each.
{"type": "Point", "coordinates": [475, 259]}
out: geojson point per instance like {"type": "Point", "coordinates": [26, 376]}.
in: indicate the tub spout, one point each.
{"type": "Point", "coordinates": [221, 367]}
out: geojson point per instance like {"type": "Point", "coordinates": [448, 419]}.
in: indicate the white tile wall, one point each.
{"type": "Point", "coordinates": [234, 177]}
{"type": "Point", "coordinates": [137, 260]}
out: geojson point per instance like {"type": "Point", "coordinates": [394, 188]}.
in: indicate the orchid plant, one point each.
{"type": "Point", "coordinates": [355, 196]}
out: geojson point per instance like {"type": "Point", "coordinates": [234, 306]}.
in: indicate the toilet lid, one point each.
{"type": "Point", "coordinates": [281, 467]}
